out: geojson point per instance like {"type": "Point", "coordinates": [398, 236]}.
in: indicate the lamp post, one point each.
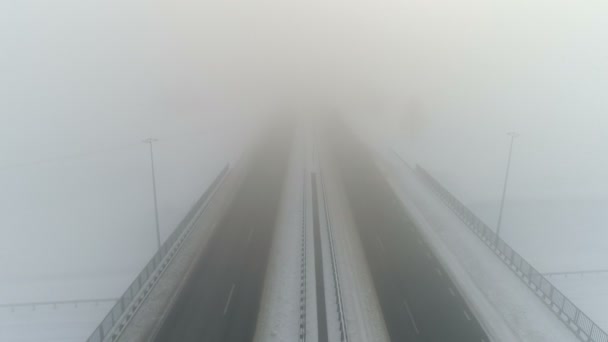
{"type": "Point", "coordinates": [513, 135]}
{"type": "Point", "coordinates": [150, 141]}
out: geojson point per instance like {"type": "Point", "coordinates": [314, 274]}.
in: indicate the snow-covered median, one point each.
{"type": "Point", "coordinates": [362, 311]}
{"type": "Point", "coordinates": [279, 317]}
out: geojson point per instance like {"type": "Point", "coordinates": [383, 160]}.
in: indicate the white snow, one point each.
{"type": "Point", "coordinates": [65, 323]}
{"type": "Point", "coordinates": [312, 328]}
{"type": "Point", "coordinates": [561, 236]}
{"type": "Point", "coordinates": [84, 228]}
{"type": "Point", "coordinates": [364, 319]}
{"type": "Point", "coordinates": [555, 235]}
{"type": "Point", "coordinates": [279, 312]}
{"type": "Point", "coordinates": [279, 317]}
{"type": "Point", "coordinates": [166, 290]}
{"type": "Point", "coordinates": [329, 284]}
{"type": "Point", "coordinates": [506, 308]}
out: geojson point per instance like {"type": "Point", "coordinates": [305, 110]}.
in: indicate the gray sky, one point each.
{"type": "Point", "coordinates": [442, 79]}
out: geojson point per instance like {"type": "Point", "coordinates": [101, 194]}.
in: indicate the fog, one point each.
{"type": "Point", "coordinates": [441, 81]}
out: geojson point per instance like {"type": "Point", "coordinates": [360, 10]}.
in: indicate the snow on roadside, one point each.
{"type": "Point", "coordinates": [561, 236]}
{"type": "Point", "coordinates": [504, 305]}
{"type": "Point", "coordinates": [279, 317]}
{"type": "Point", "coordinates": [84, 229]}
{"type": "Point", "coordinates": [364, 319]}
{"type": "Point", "coordinates": [329, 285]}
{"type": "Point", "coordinates": [589, 292]}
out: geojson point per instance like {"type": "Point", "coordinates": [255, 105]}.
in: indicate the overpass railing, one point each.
{"type": "Point", "coordinates": [337, 288]}
{"type": "Point", "coordinates": [583, 327]}
{"type": "Point", "coordinates": [57, 303]}
{"type": "Point", "coordinates": [303, 269]}
{"type": "Point", "coordinates": [128, 304]}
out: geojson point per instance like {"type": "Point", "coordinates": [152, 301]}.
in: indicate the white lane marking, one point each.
{"type": "Point", "coordinates": [466, 315]}
{"type": "Point", "coordinates": [420, 241]}
{"type": "Point", "coordinates": [452, 292]}
{"type": "Point", "coordinates": [428, 255]}
{"type": "Point", "coordinates": [439, 272]}
{"type": "Point", "coordinates": [229, 299]}
{"type": "Point", "coordinates": [407, 307]}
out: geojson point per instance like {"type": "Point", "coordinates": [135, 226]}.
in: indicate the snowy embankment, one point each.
{"type": "Point", "coordinates": [83, 227]}
{"type": "Point", "coordinates": [565, 240]}
{"type": "Point", "coordinates": [507, 309]}
{"type": "Point", "coordinates": [172, 274]}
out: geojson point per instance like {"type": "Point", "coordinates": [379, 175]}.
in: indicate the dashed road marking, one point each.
{"type": "Point", "coordinates": [407, 307]}
{"type": "Point", "coordinates": [229, 299]}
{"type": "Point", "coordinates": [438, 272]}
{"type": "Point", "coordinates": [466, 315]}
{"type": "Point", "coordinates": [452, 292]}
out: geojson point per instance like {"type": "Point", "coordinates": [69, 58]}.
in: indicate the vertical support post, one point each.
{"type": "Point", "coordinates": [149, 142]}
{"type": "Point", "coordinates": [504, 189]}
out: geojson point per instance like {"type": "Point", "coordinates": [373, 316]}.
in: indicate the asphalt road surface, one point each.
{"type": "Point", "coordinates": [221, 300]}
{"type": "Point", "coordinates": [418, 299]}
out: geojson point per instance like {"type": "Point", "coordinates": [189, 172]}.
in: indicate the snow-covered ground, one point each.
{"type": "Point", "coordinates": [143, 324]}
{"type": "Point", "coordinates": [555, 217]}
{"type": "Point", "coordinates": [507, 309]}
{"type": "Point", "coordinates": [554, 235]}
{"type": "Point", "coordinates": [362, 311]}
{"type": "Point", "coordinates": [65, 323]}
{"type": "Point", "coordinates": [83, 227]}
{"type": "Point", "coordinates": [561, 236]}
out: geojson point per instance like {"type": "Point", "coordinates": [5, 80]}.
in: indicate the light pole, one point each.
{"type": "Point", "coordinates": [513, 135]}
{"type": "Point", "coordinates": [150, 141]}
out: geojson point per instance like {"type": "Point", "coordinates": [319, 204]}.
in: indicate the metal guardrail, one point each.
{"type": "Point", "coordinates": [302, 335]}
{"type": "Point", "coordinates": [57, 303]}
{"type": "Point", "coordinates": [128, 304]}
{"type": "Point", "coordinates": [578, 273]}
{"type": "Point", "coordinates": [582, 326]}
{"type": "Point", "coordinates": [338, 291]}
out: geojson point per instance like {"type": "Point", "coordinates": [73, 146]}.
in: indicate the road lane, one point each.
{"type": "Point", "coordinates": [417, 297]}
{"type": "Point", "coordinates": [221, 300]}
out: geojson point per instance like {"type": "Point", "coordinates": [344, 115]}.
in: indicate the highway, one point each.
{"type": "Point", "coordinates": [221, 300]}
{"type": "Point", "coordinates": [418, 300]}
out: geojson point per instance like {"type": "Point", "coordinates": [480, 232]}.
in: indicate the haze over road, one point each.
{"type": "Point", "coordinates": [418, 300]}
{"type": "Point", "coordinates": [222, 298]}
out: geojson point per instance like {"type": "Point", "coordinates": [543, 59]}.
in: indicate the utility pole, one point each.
{"type": "Point", "coordinates": [513, 135]}
{"type": "Point", "coordinates": [150, 141]}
